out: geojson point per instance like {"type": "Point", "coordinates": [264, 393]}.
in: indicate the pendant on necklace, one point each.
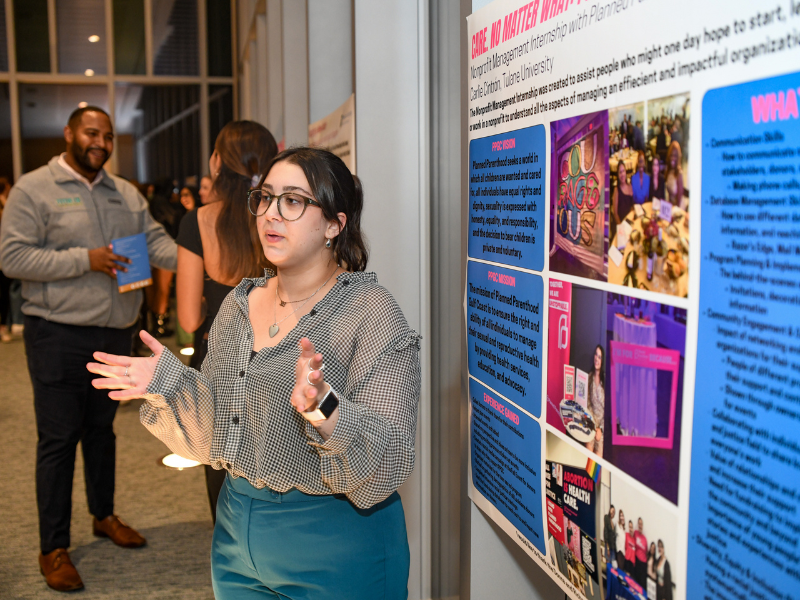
{"type": "Point", "coordinates": [283, 303]}
{"type": "Point", "coordinates": [273, 330]}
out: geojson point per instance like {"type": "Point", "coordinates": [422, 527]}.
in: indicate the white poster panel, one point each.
{"type": "Point", "coordinates": [337, 133]}
{"type": "Point", "coordinates": [633, 292]}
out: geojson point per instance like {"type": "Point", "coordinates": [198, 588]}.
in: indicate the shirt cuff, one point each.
{"type": "Point", "coordinates": [82, 262]}
{"type": "Point", "coordinates": [343, 434]}
{"type": "Point", "coordinates": [165, 383]}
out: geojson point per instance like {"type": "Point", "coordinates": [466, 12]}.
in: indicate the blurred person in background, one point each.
{"type": "Point", "coordinates": [218, 244]}
{"type": "Point", "coordinates": [56, 236]}
{"type": "Point", "coordinates": [190, 198]}
{"type": "Point", "coordinates": [5, 282]}
{"type": "Point", "coordinates": [166, 209]}
{"type": "Point", "coordinates": [206, 197]}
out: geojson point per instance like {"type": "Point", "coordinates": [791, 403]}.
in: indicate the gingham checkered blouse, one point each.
{"type": "Point", "coordinates": [235, 413]}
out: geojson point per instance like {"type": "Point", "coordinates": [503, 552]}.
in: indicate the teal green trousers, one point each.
{"type": "Point", "coordinates": [294, 546]}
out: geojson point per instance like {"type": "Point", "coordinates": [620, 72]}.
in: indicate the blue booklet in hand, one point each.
{"type": "Point", "coordinates": [138, 275]}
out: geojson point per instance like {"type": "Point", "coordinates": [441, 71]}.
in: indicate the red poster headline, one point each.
{"type": "Point", "coordinates": [516, 22]}
{"type": "Point", "coordinates": [504, 279]}
{"type": "Point", "coordinates": [503, 410]}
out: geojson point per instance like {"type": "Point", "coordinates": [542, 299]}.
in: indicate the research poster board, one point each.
{"type": "Point", "coordinates": [633, 292]}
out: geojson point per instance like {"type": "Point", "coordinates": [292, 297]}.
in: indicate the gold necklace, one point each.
{"type": "Point", "coordinates": [275, 327]}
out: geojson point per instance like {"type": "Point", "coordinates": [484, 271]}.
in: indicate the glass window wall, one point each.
{"type": "Point", "coordinates": [44, 110]}
{"type": "Point", "coordinates": [81, 37]}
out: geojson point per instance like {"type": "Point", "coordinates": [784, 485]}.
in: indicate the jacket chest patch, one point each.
{"type": "Point", "coordinates": [69, 203]}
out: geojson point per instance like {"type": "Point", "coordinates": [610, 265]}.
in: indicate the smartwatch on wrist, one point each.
{"type": "Point", "coordinates": [325, 406]}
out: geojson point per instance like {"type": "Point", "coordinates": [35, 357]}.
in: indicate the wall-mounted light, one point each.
{"type": "Point", "coordinates": [94, 39]}
{"type": "Point", "coordinates": [89, 72]}
{"type": "Point", "coordinates": [187, 351]}
{"type": "Point", "coordinates": [83, 104]}
{"type": "Point", "coordinates": [175, 461]}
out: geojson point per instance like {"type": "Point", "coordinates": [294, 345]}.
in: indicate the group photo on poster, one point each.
{"type": "Point", "coordinates": [649, 201]}
{"type": "Point", "coordinates": [637, 539]}
{"type": "Point", "coordinates": [619, 201]}
{"type": "Point", "coordinates": [615, 379]}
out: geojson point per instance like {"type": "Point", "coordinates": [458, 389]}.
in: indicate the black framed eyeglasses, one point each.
{"type": "Point", "coordinates": [291, 205]}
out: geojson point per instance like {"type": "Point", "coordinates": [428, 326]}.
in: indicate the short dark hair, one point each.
{"type": "Point", "coordinates": [77, 115]}
{"type": "Point", "coordinates": [337, 190]}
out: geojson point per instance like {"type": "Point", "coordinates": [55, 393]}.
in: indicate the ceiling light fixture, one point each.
{"type": "Point", "coordinates": [83, 104]}
{"type": "Point", "coordinates": [94, 38]}
{"type": "Point", "coordinates": [89, 72]}
{"type": "Point", "coordinates": [187, 351]}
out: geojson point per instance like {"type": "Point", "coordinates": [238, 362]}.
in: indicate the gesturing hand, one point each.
{"type": "Point", "coordinates": [129, 375]}
{"type": "Point", "coordinates": [104, 260]}
{"type": "Point", "coordinates": [309, 384]}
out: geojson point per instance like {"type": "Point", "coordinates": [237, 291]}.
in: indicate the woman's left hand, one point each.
{"type": "Point", "coordinates": [309, 383]}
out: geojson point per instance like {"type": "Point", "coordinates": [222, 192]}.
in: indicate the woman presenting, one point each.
{"type": "Point", "coordinates": [308, 398]}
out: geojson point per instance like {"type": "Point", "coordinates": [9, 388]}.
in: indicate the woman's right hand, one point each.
{"type": "Point", "coordinates": [129, 375]}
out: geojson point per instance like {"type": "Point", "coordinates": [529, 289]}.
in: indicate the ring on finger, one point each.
{"type": "Point", "coordinates": [126, 372]}
{"type": "Point", "coordinates": [308, 364]}
{"type": "Point", "coordinates": [308, 375]}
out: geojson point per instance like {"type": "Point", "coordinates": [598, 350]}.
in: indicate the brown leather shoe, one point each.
{"type": "Point", "coordinates": [59, 572]}
{"type": "Point", "coordinates": [120, 533]}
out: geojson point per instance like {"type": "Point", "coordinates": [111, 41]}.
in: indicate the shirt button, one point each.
{"type": "Point", "coordinates": [228, 466]}
{"type": "Point", "coordinates": [313, 313]}
{"type": "Point", "coordinates": [235, 420]}
{"type": "Point", "coordinates": [345, 282]}
{"type": "Point", "coordinates": [241, 373]}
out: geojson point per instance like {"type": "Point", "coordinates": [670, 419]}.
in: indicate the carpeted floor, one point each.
{"type": "Point", "coordinates": [170, 508]}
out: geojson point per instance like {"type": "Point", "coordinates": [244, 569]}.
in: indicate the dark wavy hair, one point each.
{"type": "Point", "coordinates": [338, 191]}
{"type": "Point", "coordinates": [246, 149]}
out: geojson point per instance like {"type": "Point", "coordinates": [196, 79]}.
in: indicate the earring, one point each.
{"type": "Point", "coordinates": [327, 242]}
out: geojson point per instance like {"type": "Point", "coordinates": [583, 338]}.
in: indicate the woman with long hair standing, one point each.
{"type": "Point", "coordinates": [218, 243]}
{"type": "Point", "coordinates": [597, 400]}
{"type": "Point", "coordinates": [673, 178]}
{"type": "Point", "coordinates": [308, 399]}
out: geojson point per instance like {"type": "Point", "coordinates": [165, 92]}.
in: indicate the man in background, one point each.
{"type": "Point", "coordinates": [56, 236]}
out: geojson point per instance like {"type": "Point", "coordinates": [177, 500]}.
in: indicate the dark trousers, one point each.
{"type": "Point", "coordinates": [68, 410]}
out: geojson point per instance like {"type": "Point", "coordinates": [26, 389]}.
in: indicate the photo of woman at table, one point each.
{"type": "Point", "coordinates": [673, 178]}
{"type": "Point", "coordinates": [640, 182]}
{"type": "Point", "coordinates": [622, 199]}
{"type": "Point", "coordinates": [656, 180]}
{"type": "Point", "coordinates": [597, 400]}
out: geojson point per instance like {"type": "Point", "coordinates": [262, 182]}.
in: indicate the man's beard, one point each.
{"type": "Point", "coordinates": [82, 157]}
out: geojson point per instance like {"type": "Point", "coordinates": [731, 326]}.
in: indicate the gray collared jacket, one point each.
{"type": "Point", "coordinates": [50, 223]}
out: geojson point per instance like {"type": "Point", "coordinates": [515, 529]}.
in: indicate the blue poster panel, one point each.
{"type": "Point", "coordinates": [745, 485]}
{"type": "Point", "coordinates": [504, 337]}
{"type": "Point", "coordinates": [506, 458]}
{"type": "Point", "coordinates": [506, 206]}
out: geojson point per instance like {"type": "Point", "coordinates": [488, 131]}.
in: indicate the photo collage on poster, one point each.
{"type": "Point", "coordinates": [619, 200]}
{"type": "Point", "coordinates": [619, 195]}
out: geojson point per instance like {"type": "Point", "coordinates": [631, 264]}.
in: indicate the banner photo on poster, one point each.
{"type": "Point", "coordinates": [655, 159]}
{"type": "Point", "coordinates": [337, 133]}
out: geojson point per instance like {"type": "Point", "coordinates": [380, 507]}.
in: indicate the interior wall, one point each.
{"type": "Point", "coordinates": [295, 72]}
{"type": "Point", "coordinates": [390, 111]}
{"type": "Point", "coordinates": [330, 56]}
{"type": "Point", "coordinates": [501, 569]}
